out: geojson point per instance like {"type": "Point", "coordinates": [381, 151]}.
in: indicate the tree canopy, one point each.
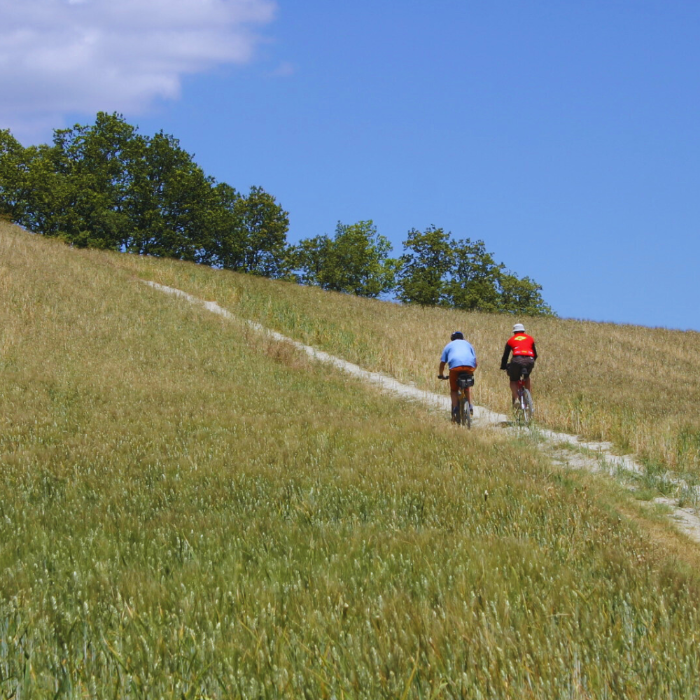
{"type": "Point", "coordinates": [424, 267]}
{"type": "Point", "coordinates": [356, 261]}
{"type": "Point", "coordinates": [437, 271]}
{"type": "Point", "coordinates": [107, 186]}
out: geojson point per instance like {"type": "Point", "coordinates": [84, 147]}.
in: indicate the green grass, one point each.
{"type": "Point", "coordinates": [191, 510]}
{"type": "Point", "coordinates": [631, 385]}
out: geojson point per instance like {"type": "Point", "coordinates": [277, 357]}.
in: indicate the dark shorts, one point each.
{"type": "Point", "coordinates": [520, 365]}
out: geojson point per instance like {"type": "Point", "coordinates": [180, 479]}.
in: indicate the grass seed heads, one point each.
{"type": "Point", "coordinates": [188, 511]}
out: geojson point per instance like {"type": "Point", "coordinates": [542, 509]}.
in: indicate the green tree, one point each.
{"type": "Point", "coordinates": [31, 191]}
{"type": "Point", "coordinates": [437, 271]}
{"type": "Point", "coordinates": [248, 234]}
{"type": "Point", "coordinates": [13, 176]}
{"type": "Point", "coordinates": [355, 261]}
{"type": "Point", "coordinates": [425, 268]}
{"type": "Point", "coordinates": [309, 258]}
{"type": "Point", "coordinates": [77, 187]}
{"type": "Point", "coordinates": [474, 278]}
{"type": "Point", "coordinates": [171, 199]}
{"type": "Point", "coordinates": [262, 228]}
{"type": "Point", "coordinates": [45, 193]}
{"type": "Point", "coordinates": [106, 186]}
{"type": "Point", "coordinates": [522, 296]}
{"type": "Point", "coordinates": [225, 236]}
{"type": "Point", "coordinates": [98, 163]}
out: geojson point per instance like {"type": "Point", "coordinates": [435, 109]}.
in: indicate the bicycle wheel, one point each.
{"type": "Point", "coordinates": [518, 413]}
{"type": "Point", "coordinates": [528, 407]}
{"type": "Point", "coordinates": [464, 415]}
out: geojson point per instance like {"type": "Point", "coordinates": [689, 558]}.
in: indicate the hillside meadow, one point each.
{"type": "Point", "coordinates": [636, 387]}
{"type": "Point", "coordinates": [190, 510]}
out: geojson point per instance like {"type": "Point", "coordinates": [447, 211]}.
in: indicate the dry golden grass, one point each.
{"type": "Point", "coordinates": [631, 385]}
{"type": "Point", "coordinates": [191, 511]}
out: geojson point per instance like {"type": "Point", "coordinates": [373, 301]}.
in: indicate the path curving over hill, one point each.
{"type": "Point", "coordinates": [589, 455]}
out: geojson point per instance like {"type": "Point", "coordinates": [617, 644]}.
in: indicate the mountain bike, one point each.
{"type": "Point", "coordinates": [464, 380]}
{"type": "Point", "coordinates": [524, 407]}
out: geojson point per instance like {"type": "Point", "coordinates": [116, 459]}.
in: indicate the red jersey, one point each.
{"type": "Point", "coordinates": [522, 344]}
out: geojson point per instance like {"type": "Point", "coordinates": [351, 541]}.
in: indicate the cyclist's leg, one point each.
{"type": "Point", "coordinates": [514, 370]}
{"type": "Point", "coordinates": [514, 391]}
{"type": "Point", "coordinates": [454, 395]}
{"type": "Point", "coordinates": [468, 391]}
{"type": "Point", "coordinates": [454, 372]}
{"type": "Point", "coordinates": [455, 407]}
{"type": "Point", "coordinates": [530, 366]}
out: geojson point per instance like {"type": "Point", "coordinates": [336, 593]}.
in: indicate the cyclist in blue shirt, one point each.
{"type": "Point", "coordinates": [459, 356]}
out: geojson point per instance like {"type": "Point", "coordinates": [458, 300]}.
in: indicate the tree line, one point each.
{"type": "Point", "coordinates": [107, 186]}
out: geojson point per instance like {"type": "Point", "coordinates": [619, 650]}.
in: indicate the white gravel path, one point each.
{"type": "Point", "coordinates": [592, 456]}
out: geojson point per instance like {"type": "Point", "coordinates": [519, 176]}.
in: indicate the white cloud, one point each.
{"type": "Point", "coordinates": [80, 56]}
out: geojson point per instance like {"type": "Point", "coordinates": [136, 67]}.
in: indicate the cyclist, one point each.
{"type": "Point", "coordinates": [459, 355]}
{"type": "Point", "coordinates": [524, 352]}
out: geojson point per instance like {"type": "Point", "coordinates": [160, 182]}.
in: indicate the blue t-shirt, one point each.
{"type": "Point", "coordinates": [459, 353]}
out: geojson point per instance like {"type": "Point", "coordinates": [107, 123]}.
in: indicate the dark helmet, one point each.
{"type": "Point", "coordinates": [457, 335]}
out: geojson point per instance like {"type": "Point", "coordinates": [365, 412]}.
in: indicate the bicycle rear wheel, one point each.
{"type": "Point", "coordinates": [528, 407]}
{"type": "Point", "coordinates": [465, 417]}
{"type": "Point", "coordinates": [518, 412]}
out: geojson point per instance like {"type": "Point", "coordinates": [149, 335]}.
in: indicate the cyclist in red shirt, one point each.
{"type": "Point", "coordinates": [524, 352]}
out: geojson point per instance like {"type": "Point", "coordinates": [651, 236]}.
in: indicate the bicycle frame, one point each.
{"type": "Point", "coordinates": [464, 381]}
{"type": "Point", "coordinates": [464, 415]}
{"type": "Point", "coordinates": [524, 407]}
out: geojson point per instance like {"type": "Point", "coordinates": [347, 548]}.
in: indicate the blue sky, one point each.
{"type": "Point", "coordinates": [565, 135]}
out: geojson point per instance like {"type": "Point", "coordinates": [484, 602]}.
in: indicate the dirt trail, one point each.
{"type": "Point", "coordinates": [592, 456]}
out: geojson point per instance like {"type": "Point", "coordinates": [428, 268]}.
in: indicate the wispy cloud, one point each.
{"type": "Point", "coordinates": [284, 70]}
{"type": "Point", "coordinates": [80, 56]}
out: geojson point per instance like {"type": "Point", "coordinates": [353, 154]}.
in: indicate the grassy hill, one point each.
{"type": "Point", "coordinates": [191, 510]}
{"type": "Point", "coordinates": [634, 386]}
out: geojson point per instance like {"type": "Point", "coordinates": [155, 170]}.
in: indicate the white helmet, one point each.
{"type": "Point", "coordinates": [518, 328]}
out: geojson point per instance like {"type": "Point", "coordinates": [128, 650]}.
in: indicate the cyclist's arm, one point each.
{"type": "Point", "coordinates": [534, 349]}
{"type": "Point", "coordinates": [442, 367]}
{"type": "Point", "coordinates": [476, 362]}
{"type": "Point", "coordinates": [504, 359]}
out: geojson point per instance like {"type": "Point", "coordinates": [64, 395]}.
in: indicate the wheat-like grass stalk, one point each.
{"type": "Point", "coordinates": [191, 511]}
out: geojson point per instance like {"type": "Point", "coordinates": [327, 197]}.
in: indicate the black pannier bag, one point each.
{"type": "Point", "coordinates": [465, 379]}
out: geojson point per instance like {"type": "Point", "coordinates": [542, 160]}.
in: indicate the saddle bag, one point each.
{"type": "Point", "coordinates": [465, 379]}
